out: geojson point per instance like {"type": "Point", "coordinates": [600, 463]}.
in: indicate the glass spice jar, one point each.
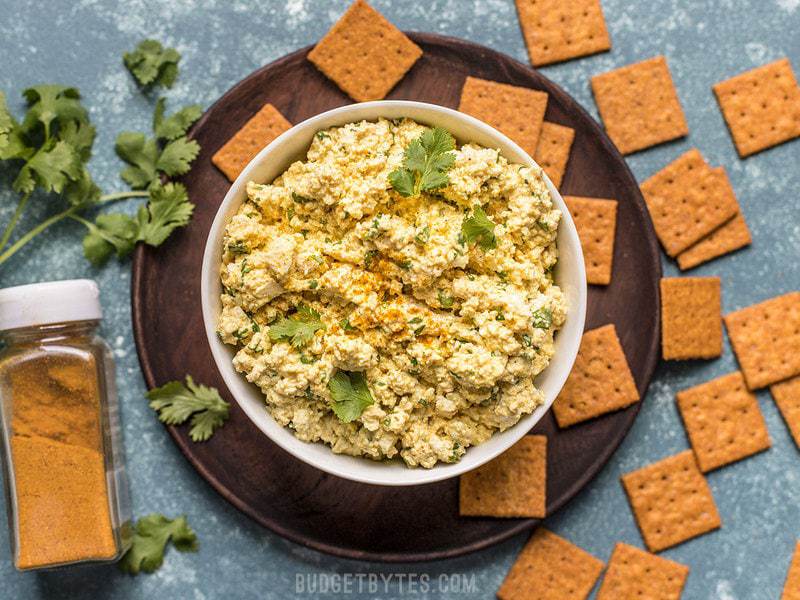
{"type": "Point", "coordinates": [66, 488]}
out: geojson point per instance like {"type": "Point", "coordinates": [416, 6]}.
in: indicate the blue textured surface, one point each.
{"type": "Point", "coordinates": [81, 42]}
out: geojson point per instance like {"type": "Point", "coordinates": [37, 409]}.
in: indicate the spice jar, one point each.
{"type": "Point", "coordinates": [64, 471]}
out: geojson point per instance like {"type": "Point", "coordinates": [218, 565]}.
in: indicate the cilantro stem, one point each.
{"type": "Point", "coordinates": [121, 196]}
{"type": "Point", "coordinates": [34, 232]}
{"type": "Point", "coordinates": [14, 220]}
{"type": "Point", "coordinates": [23, 202]}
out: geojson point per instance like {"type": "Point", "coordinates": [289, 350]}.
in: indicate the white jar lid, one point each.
{"type": "Point", "coordinates": [49, 302]}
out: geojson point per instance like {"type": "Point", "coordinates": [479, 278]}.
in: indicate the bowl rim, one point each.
{"type": "Point", "coordinates": [210, 287]}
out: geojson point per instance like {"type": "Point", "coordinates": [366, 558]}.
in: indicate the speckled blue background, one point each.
{"type": "Point", "coordinates": [81, 43]}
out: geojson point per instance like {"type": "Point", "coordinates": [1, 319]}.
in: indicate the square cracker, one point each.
{"type": "Point", "coordinates": [729, 236]}
{"type": "Point", "coordinates": [550, 568]}
{"type": "Point", "coordinates": [364, 54]}
{"type": "Point", "coordinates": [267, 124]}
{"type": "Point", "coordinates": [723, 421]}
{"type": "Point", "coordinates": [635, 574]}
{"type": "Point", "coordinates": [691, 318]}
{"type": "Point", "coordinates": [516, 111]}
{"type": "Point", "coordinates": [639, 105]}
{"type": "Point", "coordinates": [787, 397]}
{"type": "Point", "coordinates": [766, 339]}
{"type": "Point", "coordinates": [761, 106]}
{"type": "Point", "coordinates": [511, 485]}
{"type": "Point", "coordinates": [600, 381]}
{"type": "Point", "coordinates": [552, 152]}
{"type": "Point", "coordinates": [596, 221]}
{"type": "Point", "coordinates": [687, 200]}
{"type": "Point", "coordinates": [791, 588]}
{"type": "Point", "coordinates": [726, 238]}
{"type": "Point", "coordinates": [555, 30]}
{"type": "Point", "coordinates": [671, 501]}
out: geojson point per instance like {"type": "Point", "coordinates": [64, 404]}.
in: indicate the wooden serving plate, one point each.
{"type": "Point", "coordinates": [331, 514]}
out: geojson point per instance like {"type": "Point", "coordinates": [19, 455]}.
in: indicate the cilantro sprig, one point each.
{"type": "Point", "coordinates": [151, 535]}
{"type": "Point", "coordinates": [168, 209]}
{"type": "Point", "coordinates": [350, 395]}
{"type": "Point", "coordinates": [425, 163]}
{"type": "Point", "coordinates": [479, 228]}
{"type": "Point", "coordinates": [48, 151]}
{"type": "Point", "coordinates": [175, 402]}
{"type": "Point", "coordinates": [297, 329]}
{"type": "Point", "coordinates": [169, 152]}
{"type": "Point", "coordinates": [151, 64]}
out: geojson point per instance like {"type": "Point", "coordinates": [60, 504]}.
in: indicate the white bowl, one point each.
{"type": "Point", "coordinates": [271, 162]}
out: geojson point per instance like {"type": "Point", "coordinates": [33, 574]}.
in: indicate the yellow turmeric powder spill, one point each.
{"type": "Point", "coordinates": [59, 475]}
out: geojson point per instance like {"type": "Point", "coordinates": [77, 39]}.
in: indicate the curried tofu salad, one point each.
{"type": "Point", "coordinates": [392, 294]}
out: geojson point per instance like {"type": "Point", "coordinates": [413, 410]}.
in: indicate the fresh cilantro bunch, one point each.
{"type": "Point", "coordinates": [479, 228]}
{"type": "Point", "coordinates": [298, 329]}
{"type": "Point", "coordinates": [168, 153]}
{"type": "Point", "coordinates": [151, 64]}
{"type": "Point", "coordinates": [425, 163]}
{"type": "Point", "coordinates": [150, 538]}
{"type": "Point", "coordinates": [48, 151]}
{"type": "Point", "coordinates": [175, 403]}
{"type": "Point", "coordinates": [350, 395]}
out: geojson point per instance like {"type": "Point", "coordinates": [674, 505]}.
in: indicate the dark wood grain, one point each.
{"type": "Point", "coordinates": [322, 511]}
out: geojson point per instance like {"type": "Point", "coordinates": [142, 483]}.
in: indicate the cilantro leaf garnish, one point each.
{"type": "Point", "coordinates": [425, 163]}
{"type": "Point", "coordinates": [350, 395]}
{"type": "Point", "coordinates": [151, 535]}
{"type": "Point", "coordinates": [7, 126]}
{"type": "Point", "coordinates": [175, 403]}
{"type": "Point", "coordinates": [49, 103]}
{"type": "Point", "coordinates": [148, 158]}
{"type": "Point", "coordinates": [51, 168]}
{"type": "Point", "coordinates": [479, 228]}
{"type": "Point", "coordinates": [542, 318]}
{"type": "Point", "coordinates": [167, 209]}
{"type": "Point", "coordinates": [444, 300]}
{"type": "Point", "coordinates": [108, 234]}
{"type": "Point", "coordinates": [151, 64]}
{"type": "Point", "coordinates": [177, 124]}
{"type": "Point", "coordinates": [298, 329]}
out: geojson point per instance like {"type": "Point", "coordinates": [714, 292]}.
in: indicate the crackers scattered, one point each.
{"type": "Point", "coordinates": [550, 568]}
{"type": "Point", "coordinates": [600, 381]}
{"type": "Point", "coordinates": [761, 107]}
{"type": "Point", "coordinates": [687, 200]}
{"type": "Point", "coordinates": [634, 574]}
{"type": "Point", "coordinates": [691, 318]}
{"type": "Point", "coordinates": [787, 396]}
{"type": "Point", "coordinates": [555, 31]}
{"type": "Point", "coordinates": [552, 152]}
{"type": "Point", "coordinates": [596, 222]}
{"type": "Point", "coordinates": [267, 124]}
{"type": "Point", "coordinates": [723, 421]}
{"type": "Point", "coordinates": [671, 501]}
{"type": "Point", "coordinates": [512, 485]}
{"type": "Point", "coordinates": [364, 54]}
{"type": "Point", "coordinates": [516, 111]}
{"type": "Point", "coordinates": [766, 339]}
{"type": "Point", "coordinates": [791, 588]}
{"type": "Point", "coordinates": [639, 105]}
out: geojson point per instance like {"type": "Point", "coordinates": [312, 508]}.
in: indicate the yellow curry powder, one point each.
{"type": "Point", "coordinates": [59, 474]}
